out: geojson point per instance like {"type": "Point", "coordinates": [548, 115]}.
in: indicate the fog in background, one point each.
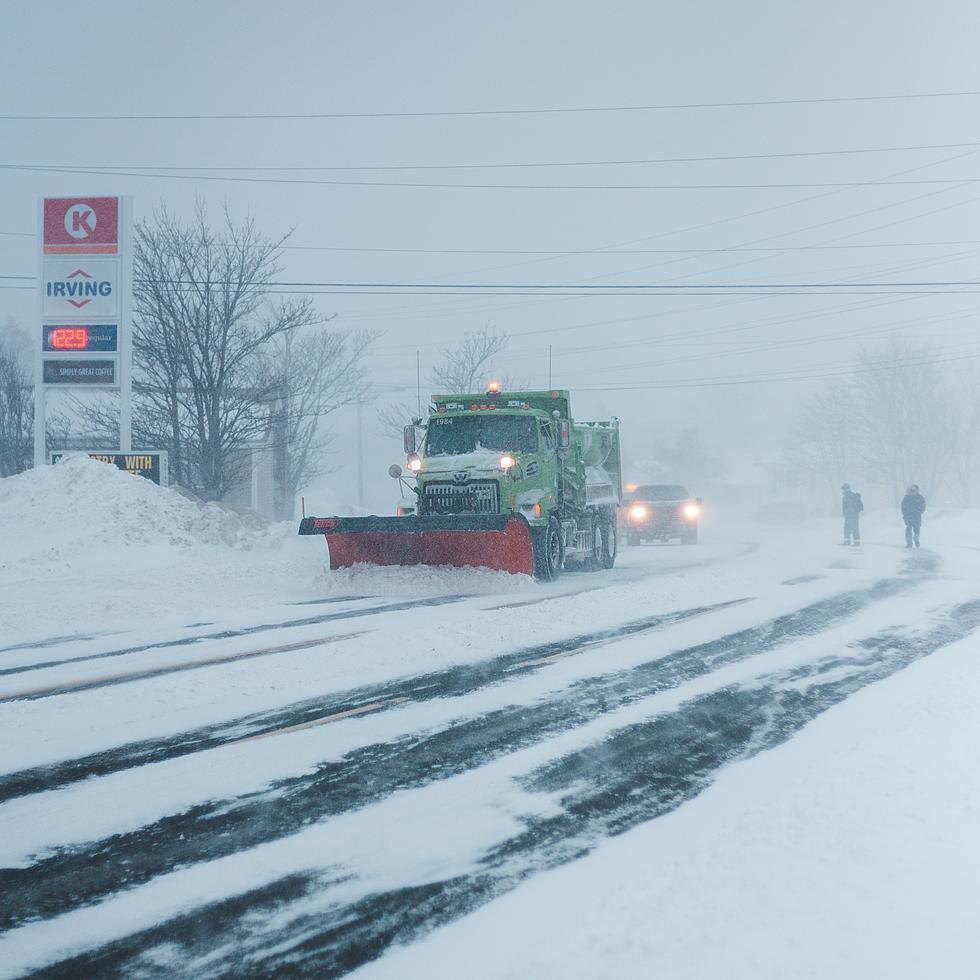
{"type": "Point", "coordinates": [732, 370]}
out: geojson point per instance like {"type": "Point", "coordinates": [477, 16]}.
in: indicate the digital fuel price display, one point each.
{"type": "Point", "coordinates": [99, 338]}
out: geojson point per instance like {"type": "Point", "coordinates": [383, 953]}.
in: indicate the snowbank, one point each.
{"type": "Point", "coordinates": [88, 547]}
{"type": "Point", "coordinates": [79, 505]}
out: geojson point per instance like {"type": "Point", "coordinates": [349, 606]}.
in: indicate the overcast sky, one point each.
{"type": "Point", "coordinates": [617, 354]}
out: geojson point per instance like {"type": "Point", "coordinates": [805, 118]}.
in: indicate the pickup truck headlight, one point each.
{"type": "Point", "coordinates": [691, 511]}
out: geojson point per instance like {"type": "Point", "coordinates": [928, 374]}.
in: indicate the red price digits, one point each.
{"type": "Point", "coordinates": [69, 338]}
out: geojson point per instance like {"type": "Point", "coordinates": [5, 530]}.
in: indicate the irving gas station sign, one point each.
{"type": "Point", "coordinates": [84, 304]}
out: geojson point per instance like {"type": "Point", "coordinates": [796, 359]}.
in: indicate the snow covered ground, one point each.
{"type": "Point", "coordinates": [849, 852]}
{"type": "Point", "coordinates": [751, 758]}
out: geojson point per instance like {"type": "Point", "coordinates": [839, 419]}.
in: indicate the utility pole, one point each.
{"type": "Point", "coordinates": [360, 455]}
{"type": "Point", "coordinates": [549, 367]}
{"type": "Point", "coordinates": [418, 382]}
{"type": "Point", "coordinates": [281, 506]}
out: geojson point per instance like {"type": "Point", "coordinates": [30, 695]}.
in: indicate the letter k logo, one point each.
{"type": "Point", "coordinates": [80, 221]}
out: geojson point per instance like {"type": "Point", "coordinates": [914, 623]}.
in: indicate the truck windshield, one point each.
{"type": "Point", "coordinates": [457, 434]}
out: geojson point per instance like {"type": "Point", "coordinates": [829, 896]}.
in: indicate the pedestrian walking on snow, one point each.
{"type": "Point", "coordinates": [851, 506]}
{"type": "Point", "coordinates": [913, 507]}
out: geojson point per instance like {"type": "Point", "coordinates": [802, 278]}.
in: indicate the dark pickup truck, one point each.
{"type": "Point", "coordinates": [659, 512]}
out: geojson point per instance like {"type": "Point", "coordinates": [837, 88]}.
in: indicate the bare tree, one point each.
{"type": "Point", "coordinates": [894, 423]}
{"type": "Point", "coordinates": [312, 374]}
{"type": "Point", "coordinates": [826, 437]}
{"type": "Point", "coordinates": [393, 418]}
{"type": "Point", "coordinates": [902, 415]}
{"type": "Point", "coordinates": [464, 368]}
{"type": "Point", "coordinates": [204, 316]}
{"type": "Point", "coordinates": [965, 467]}
{"type": "Point", "coordinates": [16, 400]}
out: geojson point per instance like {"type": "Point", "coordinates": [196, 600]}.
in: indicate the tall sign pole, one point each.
{"type": "Point", "coordinates": [40, 392]}
{"type": "Point", "coordinates": [84, 336]}
{"type": "Point", "coordinates": [126, 325]}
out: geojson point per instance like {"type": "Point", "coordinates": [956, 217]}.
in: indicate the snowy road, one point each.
{"type": "Point", "coordinates": [298, 787]}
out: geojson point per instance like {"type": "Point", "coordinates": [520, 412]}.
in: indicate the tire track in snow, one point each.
{"type": "Point", "coordinates": [109, 680]}
{"type": "Point", "coordinates": [232, 633]}
{"type": "Point", "coordinates": [638, 773]}
{"type": "Point", "coordinates": [369, 774]}
{"type": "Point", "coordinates": [452, 681]}
{"type": "Point", "coordinates": [51, 641]}
{"type": "Point", "coordinates": [628, 575]}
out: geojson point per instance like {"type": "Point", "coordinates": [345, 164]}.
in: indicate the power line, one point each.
{"type": "Point", "coordinates": [442, 113]}
{"type": "Point", "coordinates": [691, 290]}
{"type": "Point", "coordinates": [537, 164]}
{"type": "Point", "coordinates": [721, 381]}
{"type": "Point", "coordinates": [705, 250]}
{"type": "Point", "coordinates": [762, 346]}
{"type": "Point", "coordinates": [821, 224]}
{"type": "Point", "coordinates": [808, 198]}
{"type": "Point", "coordinates": [611, 246]}
{"type": "Point", "coordinates": [755, 379]}
{"type": "Point", "coordinates": [446, 185]}
{"type": "Point", "coordinates": [612, 287]}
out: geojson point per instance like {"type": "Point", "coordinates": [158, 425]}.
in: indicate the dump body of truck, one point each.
{"type": "Point", "coordinates": [505, 480]}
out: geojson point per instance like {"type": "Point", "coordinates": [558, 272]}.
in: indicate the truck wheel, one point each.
{"type": "Point", "coordinates": [610, 543]}
{"type": "Point", "coordinates": [593, 561]}
{"type": "Point", "coordinates": [690, 537]}
{"type": "Point", "coordinates": [633, 540]}
{"type": "Point", "coordinates": [549, 552]}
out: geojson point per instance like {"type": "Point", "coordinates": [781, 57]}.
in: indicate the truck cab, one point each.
{"type": "Point", "coordinates": [520, 453]}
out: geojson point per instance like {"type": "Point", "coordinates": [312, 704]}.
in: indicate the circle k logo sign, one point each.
{"type": "Point", "coordinates": [80, 221]}
{"type": "Point", "coordinates": [81, 226]}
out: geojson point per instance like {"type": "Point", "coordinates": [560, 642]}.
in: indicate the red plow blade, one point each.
{"type": "Point", "coordinates": [495, 541]}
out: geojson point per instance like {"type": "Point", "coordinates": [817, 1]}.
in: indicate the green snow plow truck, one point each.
{"type": "Point", "coordinates": [504, 480]}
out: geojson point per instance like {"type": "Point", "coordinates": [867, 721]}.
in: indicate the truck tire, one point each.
{"type": "Point", "coordinates": [593, 560]}
{"type": "Point", "coordinates": [610, 542]}
{"type": "Point", "coordinates": [690, 537]}
{"type": "Point", "coordinates": [549, 552]}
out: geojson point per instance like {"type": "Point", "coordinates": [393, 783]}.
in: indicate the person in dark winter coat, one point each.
{"type": "Point", "coordinates": [851, 506]}
{"type": "Point", "coordinates": [913, 507]}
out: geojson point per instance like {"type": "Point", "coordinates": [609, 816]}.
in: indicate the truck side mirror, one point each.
{"type": "Point", "coordinates": [394, 471]}
{"type": "Point", "coordinates": [564, 434]}
{"type": "Point", "coordinates": [409, 434]}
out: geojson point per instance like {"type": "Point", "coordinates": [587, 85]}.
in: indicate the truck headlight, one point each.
{"type": "Point", "coordinates": [414, 462]}
{"type": "Point", "coordinates": [507, 461]}
{"type": "Point", "coordinates": [691, 511]}
{"type": "Point", "coordinates": [638, 512]}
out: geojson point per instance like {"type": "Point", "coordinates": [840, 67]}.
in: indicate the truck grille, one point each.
{"type": "Point", "coordinates": [479, 497]}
